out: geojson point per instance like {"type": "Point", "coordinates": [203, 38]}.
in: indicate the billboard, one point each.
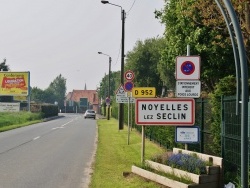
{"type": "Point", "coordinates": [14, 83]}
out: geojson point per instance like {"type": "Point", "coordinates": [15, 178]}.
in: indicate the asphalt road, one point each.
{"type": "Point", "coordinates": [52, 154]}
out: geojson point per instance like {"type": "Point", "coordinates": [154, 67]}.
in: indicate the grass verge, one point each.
{"type": "Point", "coordinates": [13, 120]}
{"type": "Point", "coordinates": [114, 157]}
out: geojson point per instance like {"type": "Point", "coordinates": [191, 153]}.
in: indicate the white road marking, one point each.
{"type": "Point", "coordinates": [36, 138]}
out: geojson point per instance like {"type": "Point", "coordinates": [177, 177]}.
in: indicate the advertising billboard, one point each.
{"type": "Point", "coordinates": [14, 83]}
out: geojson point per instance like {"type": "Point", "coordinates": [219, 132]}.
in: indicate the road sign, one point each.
{"type": "Point", "coordinates": [128, 86]}
{"type": "Point", "coordinates": [143, 92]}
{"type": "Point", "coordinates": [123, 98]}
{"type": "Point", "coordinates": [107, 101]}
{"type": "Point", "coordinates": [188, 88]}
{"type": "Point", "coordinates": [129, 75]}
{"type": "Point", "coordinates": [165, 111]}
{"type": "Point", "coordinates": [187, 134]}
{"type": "Point", "coordinates": [188, 68]}
{"type": "Point", "coordinates": [120, 90]}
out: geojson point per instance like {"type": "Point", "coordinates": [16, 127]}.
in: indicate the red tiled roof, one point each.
{"type": "Point", "coordinates": [75, 95]}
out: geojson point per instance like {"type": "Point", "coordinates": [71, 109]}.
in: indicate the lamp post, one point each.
{"type": "Point", "coordinates": [121, 105]}
{"type": "Point", "coordinates": [108, 118]}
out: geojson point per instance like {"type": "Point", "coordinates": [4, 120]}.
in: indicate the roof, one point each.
{"type": "Point", "coordinates": [75, 95]}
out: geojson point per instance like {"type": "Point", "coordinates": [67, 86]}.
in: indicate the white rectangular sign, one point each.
{"type": "Point", "coordinates": [9, 107]}
{"type": "Point", "coordinates": [185, 88]}
{"type": "Point", "coordinates": [165, 111]}
{"type": "Point", "coordinates": [122, 98]}
{"type": "Point", "coordinates": [187, 134]}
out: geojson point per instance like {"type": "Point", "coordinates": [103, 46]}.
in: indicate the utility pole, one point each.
{"type": "Point", "coordinates": [121, 105]}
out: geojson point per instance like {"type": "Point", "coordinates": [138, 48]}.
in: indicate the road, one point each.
{"type": "Point", "coordinates": [52, 154]}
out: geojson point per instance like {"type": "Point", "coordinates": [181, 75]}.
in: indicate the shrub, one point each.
{"type": "Point", "coordinates": [189, 163]}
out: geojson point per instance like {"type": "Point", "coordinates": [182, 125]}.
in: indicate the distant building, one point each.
{"type": "Point", "coordinates": [78, 101]}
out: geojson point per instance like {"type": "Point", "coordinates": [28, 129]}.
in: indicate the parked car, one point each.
{"type": "Point", "coordinates": [89, 114]}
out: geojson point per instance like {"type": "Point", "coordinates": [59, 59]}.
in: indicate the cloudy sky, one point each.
{"type": "Point", "coordinates": [53, 37]}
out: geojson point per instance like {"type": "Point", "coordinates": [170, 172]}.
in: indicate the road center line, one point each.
{"type": "Point", "coordinates": [36, 138]}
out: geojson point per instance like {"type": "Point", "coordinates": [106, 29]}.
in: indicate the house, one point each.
{"type": "Point", "coordinates": [78, 101]}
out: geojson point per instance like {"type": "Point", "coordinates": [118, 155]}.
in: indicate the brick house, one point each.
{"type": "Point", "coordinates": [78, 101]}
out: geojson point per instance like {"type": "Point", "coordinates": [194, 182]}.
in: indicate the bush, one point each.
{"type": "Point", "coordinates": [189, 163]}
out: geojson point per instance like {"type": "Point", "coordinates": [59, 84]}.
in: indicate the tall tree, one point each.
{"type": "Point", "coordinates": [37, 95]}
{"type": "Point", "coordinates": [143, 60]}
{"type": "Point", "coordinates": [200, 24]}
{"type": "Point", "coordinates": [58, 88]}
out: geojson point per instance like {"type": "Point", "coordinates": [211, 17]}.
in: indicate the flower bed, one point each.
{"type": "Point", "coordinates": [210, 178]}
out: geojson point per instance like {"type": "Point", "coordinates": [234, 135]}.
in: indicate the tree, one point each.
{"type": "Point", "coordinates": [57, 88]}
{"type": "Point", "coordinates": [37, 95]}
{"type": "Point", "coordinates": [143, 60]}
{"type": "Point", "coordinates": [200, 24]}
{"type": "Point", "coordinates": [54, 93]}
{"type": "Point", "coordinates": [3, 66]}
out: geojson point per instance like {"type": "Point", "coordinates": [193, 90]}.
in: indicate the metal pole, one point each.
{"type": "Point", "coordinates": [244, 95]}
{"type": "Point", "coordinates": [143, 145]}
{"type": "Point", "coordinates": [121, 105]}
{"type": "Point", "coordinates": [236, 55]}
{"type": "Point", "coordinates": [188, 54]}
{"type": "Point", "coordinates": [109, 89]}
{"type": "Point", "coordinates": [128, 119]}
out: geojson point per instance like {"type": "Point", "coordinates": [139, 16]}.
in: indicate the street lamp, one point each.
{"type": "Point", "coordinates": [121, 105]}
{"type": "Point", "coordinates": [108, 100]}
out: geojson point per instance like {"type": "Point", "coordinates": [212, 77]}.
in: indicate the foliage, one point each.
{"type": "Point", "coordinates": [143, 61]}
{"type": "Point", "coordinates": [3, 66]}
{"type": "Point", "coordinates": [114, 84]}
{"type": "Point", "coordinates": [189, 163]}
{"type": "Point", "coordinates": [54, 93]}
{"type": "Point", "coordinates": [226, 86]}
{"type": "Point", "coordinates": [58, 88]}
{"type": "Point", "coordinates": [11, 120]}
{"type": "Point", "coordinates": [197, 23]}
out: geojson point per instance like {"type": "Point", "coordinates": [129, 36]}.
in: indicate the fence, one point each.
{"type": "Point", "coordinates": [230, 132]}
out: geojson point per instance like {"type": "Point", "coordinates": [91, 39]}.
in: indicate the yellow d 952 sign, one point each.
{"type": "Point", "coordinates": [141, 92]}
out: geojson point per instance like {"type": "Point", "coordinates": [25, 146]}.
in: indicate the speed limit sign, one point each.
{"type": "Point", "coordinates": [129, 75]}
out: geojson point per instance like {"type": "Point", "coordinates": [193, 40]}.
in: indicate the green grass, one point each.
{"type": "Point", "coordinates": [13, 120]}
{"type": "Point", "coordinates": [114, 156]}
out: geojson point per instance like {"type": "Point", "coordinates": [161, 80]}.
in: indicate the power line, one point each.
{"type": "Point", "coordinates": [131, 7]}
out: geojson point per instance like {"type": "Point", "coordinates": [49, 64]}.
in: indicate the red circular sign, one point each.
{"type": "Point", "coordinates": [187, 67]}
{"type": "Point", "coordinates": [129, 75]}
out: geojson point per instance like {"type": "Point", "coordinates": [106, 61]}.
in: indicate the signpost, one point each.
{"type": "Point", "coordinates": [165, 111]}
{"type": "Point", "coordinates": [129, 76]}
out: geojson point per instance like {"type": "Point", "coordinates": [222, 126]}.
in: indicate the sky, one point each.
{"type": "Point", "coordinates": [53, 37]}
